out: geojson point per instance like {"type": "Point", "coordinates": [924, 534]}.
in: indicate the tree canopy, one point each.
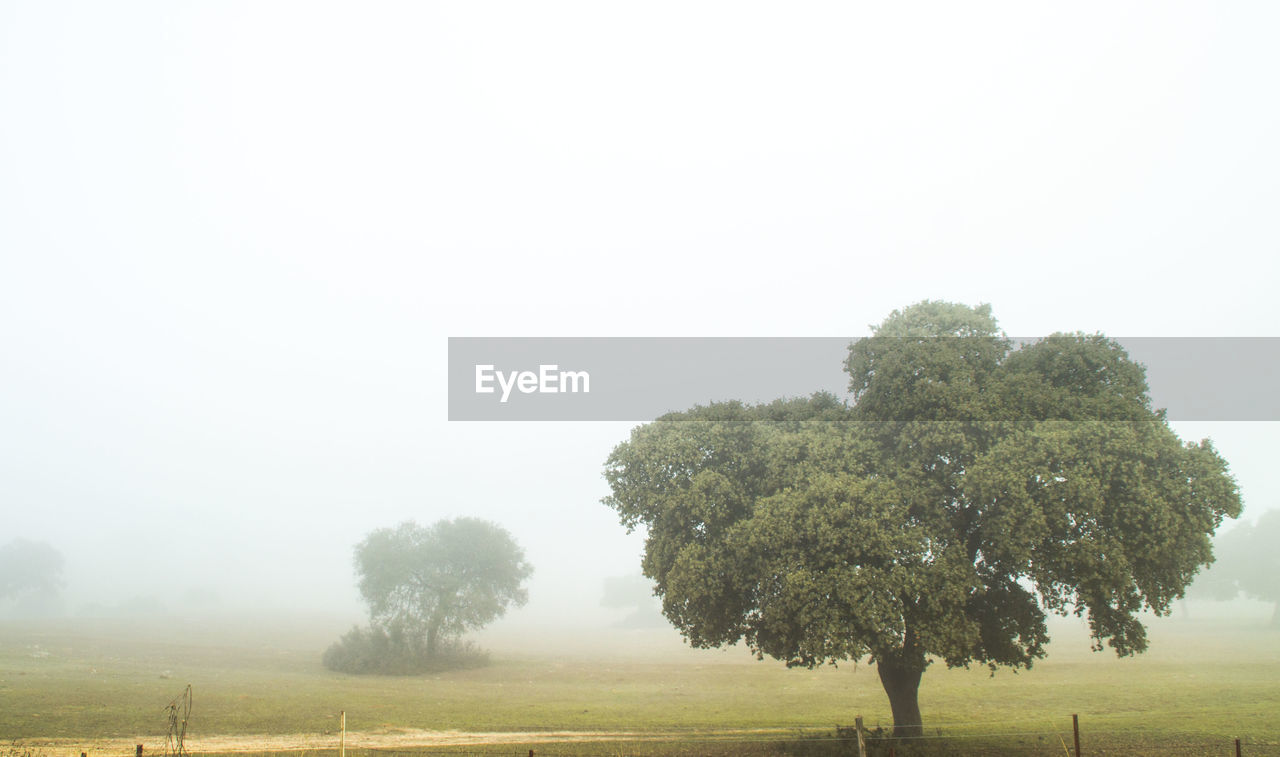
{"type": "Point", "coordinates": [454, 576]}
{"type": "Point", "coordinates": [425, 586]}
{"type": "Point", "coordinates": [968, 489]}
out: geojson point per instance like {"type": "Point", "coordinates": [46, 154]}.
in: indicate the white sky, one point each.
{"type": "Point", "coordinates": [234, 238]}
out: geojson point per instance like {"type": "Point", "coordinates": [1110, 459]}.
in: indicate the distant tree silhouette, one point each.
{"type": "Point", "coordinates": [1248, 563]}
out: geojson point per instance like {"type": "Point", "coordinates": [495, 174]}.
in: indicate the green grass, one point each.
{"type": "Point", "coordinates": [1201, 683]}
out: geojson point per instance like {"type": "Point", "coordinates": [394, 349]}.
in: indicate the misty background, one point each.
{"type": "Point", "coordinates": [235, 237]}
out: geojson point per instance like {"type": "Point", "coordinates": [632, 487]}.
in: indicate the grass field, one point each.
{"type": "Point", "coordinates": [1201, 685]}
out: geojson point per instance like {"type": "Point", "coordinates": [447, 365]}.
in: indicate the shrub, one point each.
{"type": "Point", "coordinates": [390, 651]}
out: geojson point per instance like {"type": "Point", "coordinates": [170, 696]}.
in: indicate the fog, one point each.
{"type": "Point", "coordinates": [235, 238]}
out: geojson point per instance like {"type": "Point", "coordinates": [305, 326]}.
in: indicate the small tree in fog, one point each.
{"type": "Point", "coordinates": [1248, 563]}
{"type": "Point", "coordinates": [30, 573]}
{"type": "Point", "coordinates": [438, 582]}
{"type": "Point", "coordinates": [425, 586]}
{"type": "Point", "coordinates": [634, 593]}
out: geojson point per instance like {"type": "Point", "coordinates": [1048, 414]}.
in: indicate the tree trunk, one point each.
{"type": "Point", "coordinates": [433, 635]}
{"type": "Point", "coordinates": [901, 680]}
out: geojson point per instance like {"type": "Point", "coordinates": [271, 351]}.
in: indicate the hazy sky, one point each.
{"type": "Point", "coordinates": [234, 238]}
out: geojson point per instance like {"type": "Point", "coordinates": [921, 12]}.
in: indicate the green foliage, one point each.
{"type": "Point", "coordinates": [383, 651]}
{"type": "Point", "coordinates": [425, 586]}
{"type": "Point", "coordinates": [969, 488]}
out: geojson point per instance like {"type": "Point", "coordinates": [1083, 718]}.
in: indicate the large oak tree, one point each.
{"type": "Point", "coordinates": [968, 489]}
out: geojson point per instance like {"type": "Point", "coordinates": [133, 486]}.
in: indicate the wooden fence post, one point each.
{"type": "Point", "coordinates": [139, 750]}
{"type": "Point", "coordinates": [1237, 747]}
{"type": "Point", "coordinates": [1075, 727]}
{"type": "Point", "coordinates": [342, 738]}
{"type": "Point", "coordinates": [862, 742]}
